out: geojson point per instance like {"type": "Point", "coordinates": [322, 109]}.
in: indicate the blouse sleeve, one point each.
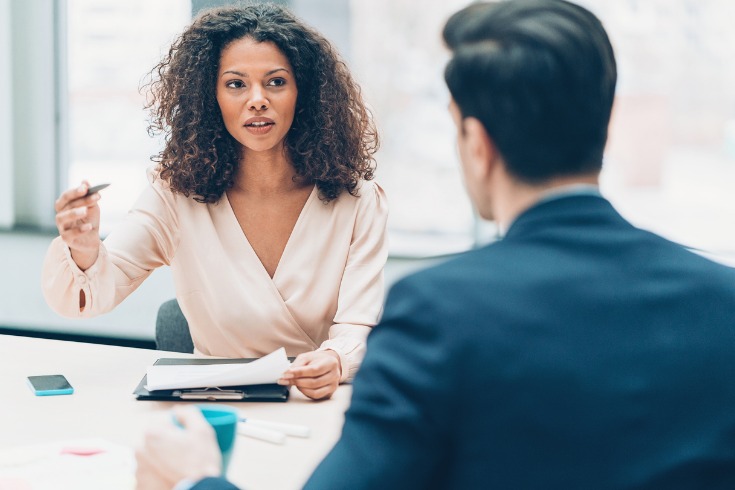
{"type": "Point", "coordinates": [145, 240]}
{"type": "Point", "coordinates": [361, 292]}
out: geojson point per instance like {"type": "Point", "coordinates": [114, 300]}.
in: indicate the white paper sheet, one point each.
{"type": "Point", "coordinates": [267, 369]}
{"type": "Point", "coordinates": [68, 465]}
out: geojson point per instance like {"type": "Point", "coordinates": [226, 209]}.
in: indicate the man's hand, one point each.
{"type": "Point", "coordinates": [171, 454]}
{"type": "Point", "coordinates": [316, 374]}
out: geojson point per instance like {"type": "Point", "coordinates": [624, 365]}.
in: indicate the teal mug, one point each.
{"type": "Point", "coordinates": [224, 422]}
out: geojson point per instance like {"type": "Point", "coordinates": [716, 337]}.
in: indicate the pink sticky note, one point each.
{"type": "Point", "coordinates": [82, 451]}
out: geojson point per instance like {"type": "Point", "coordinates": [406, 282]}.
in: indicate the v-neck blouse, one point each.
{"type": "Point", "coordinates": [326, 293]}
{"type": "Point", "coordinates": [248, 248]}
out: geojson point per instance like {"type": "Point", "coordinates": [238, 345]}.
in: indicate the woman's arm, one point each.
{"type": "Point", "coordinates": [362, 290]}
{"type": "Point", "coordinates": [145, 240]}
{"type": "Point", "coordinates": [360, 303]}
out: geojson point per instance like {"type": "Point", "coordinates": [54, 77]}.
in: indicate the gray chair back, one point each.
{"type": "Point", "coordinates": [172, 329]}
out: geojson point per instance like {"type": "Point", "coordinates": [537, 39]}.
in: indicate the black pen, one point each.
{"type": "Point", "coordinates": [95, 188]}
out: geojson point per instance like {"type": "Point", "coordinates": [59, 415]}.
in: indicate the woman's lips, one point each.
{"type": "Point", "coordinates": [259, 128]}
{"type": "Point", "coordinates": [259, 125]}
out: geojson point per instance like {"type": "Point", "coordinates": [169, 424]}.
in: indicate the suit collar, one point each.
{"type": "Point", "coordinates": [558, 193]}
{"type": "Point", "coordinates": [579, 207]}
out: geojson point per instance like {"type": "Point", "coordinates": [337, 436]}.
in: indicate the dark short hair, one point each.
{"type": "Point", "coordinates": [331, 141]}
{"type": "Point", "coordinates": [540, 75]}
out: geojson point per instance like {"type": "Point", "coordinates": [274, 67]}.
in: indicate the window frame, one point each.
{"type": "Point", "coordinates": [38, 147]}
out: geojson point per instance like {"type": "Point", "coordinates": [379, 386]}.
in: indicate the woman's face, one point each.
{"type": "Point", "coordinates": [256, 92]}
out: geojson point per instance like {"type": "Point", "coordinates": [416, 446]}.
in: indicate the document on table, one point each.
{"type": "Point", "coordinates": [267, 369]}
{"type": "Point", "coordinates": [79, 464]}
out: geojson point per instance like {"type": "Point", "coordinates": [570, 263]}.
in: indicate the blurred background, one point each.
{"type": "Point", "coordinates": [70, 109]}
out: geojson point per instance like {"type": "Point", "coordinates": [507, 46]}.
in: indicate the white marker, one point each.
{"type": "Point", "coordinates": [268, 435]}
{"type": "Point", "coordinates": [288, 429]}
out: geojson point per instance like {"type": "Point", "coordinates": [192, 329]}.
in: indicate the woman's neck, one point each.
{"type": "Point", "coordinates": [266, 173]}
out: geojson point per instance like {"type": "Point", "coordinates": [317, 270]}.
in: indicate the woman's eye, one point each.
{"type": "Point", "coordinates": [235, 84]}
{"type": "Point", "coordinates": [277, 82]}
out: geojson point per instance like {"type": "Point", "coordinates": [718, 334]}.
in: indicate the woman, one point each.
{"type": "Point", "coordinates": [261, 202]}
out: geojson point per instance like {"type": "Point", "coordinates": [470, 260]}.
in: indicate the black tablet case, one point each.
{"type": "Point", "coordinates": [248, 393]}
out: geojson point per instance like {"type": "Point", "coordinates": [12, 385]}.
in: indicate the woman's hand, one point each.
{"type": "Point", "coordinates": [78, 221]}
{"type": "Point", "coordinates": [316, 374]}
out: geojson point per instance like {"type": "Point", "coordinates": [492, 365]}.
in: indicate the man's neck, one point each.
{"type": "Point", "coordinates": [513, 198]}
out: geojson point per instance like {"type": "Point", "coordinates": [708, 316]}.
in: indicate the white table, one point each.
{"type": "Point", "coordinates": [103, 406]}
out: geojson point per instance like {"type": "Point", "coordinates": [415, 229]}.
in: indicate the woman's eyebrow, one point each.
{"type": "Point", "coordinates": [245, 75]}
{"type": "Point", "coordinates": [234, 72]}
{"type": "Point", "coordinates": [276, 70]}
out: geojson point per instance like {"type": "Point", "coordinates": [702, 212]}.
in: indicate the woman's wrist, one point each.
{"type": "Point", "coordinates": [83, 259]}
{"type": "Point", "coordinates": [336, 355]}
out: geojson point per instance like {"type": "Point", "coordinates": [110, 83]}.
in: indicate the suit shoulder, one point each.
{"type": "Point", "coordinates": [692, 258]}
{"type": "Point", "coordinates": [451, 275]}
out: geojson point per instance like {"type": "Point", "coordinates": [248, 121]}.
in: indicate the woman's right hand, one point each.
{"type": "Point", "coordinates": [78, 221]}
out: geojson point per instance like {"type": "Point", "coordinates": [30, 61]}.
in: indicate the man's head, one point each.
{"type": "Point", "coordinates": [538, 76]}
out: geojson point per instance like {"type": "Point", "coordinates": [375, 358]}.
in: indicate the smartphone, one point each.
{"type": "Point", "coordinates": [51, 384]}
{"type": "Point", "coordinates": [95, 188]}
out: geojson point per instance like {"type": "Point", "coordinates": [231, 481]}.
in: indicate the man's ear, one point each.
{"type": "Point", "coordinates": [481, 150]}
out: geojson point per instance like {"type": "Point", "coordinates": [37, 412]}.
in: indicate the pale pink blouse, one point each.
{"type": "Point", "coordinates": [326, 293]}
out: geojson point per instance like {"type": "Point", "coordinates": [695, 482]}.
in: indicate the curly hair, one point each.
{"type": "Point", "coordinates": [332, 139]}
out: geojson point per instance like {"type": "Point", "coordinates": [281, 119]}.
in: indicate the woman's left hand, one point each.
{"type": "Point", "coordinates": [316, 374]}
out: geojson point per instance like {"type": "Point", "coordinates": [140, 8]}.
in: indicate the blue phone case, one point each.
{"type": "Point", "coordinates": [53, 384]}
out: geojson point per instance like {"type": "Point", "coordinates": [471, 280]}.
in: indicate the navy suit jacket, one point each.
{"type": "Point", "coordinates": [579, 352]}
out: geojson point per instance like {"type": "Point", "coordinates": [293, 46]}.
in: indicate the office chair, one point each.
{"type": "Point", "coordinates": [172, 329]}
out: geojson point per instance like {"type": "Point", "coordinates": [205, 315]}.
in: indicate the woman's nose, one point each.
{"type": "Point", "coordinates": [258, 101]}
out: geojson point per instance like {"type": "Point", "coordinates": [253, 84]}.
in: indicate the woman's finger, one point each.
{"type": "Point", "coordinates": [312, 370]}
{"type": "Point", "coordinates": [80, 231]}
{"type": "Point", "coordinates": [82, 202]}
{"type": "Point", "coordinates": [319, 393]}
{"type": "Point", "coordinates": [67, 219]}
{"type": "Point", "coordinates": [313, 383]}
{"type": "Point", "coordinates": [70, 195]}
{"type": "Point", "coordinates": [312, 364]}
{"type": "Point", "coordinates": [78, 228]}
{"type": "Point", "coordinates": [316, 374]}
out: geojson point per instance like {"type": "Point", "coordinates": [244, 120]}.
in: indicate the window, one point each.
{"type": "Point", "coordinates": [670, 162]}
{"type": "Point", "coordinates": [112, 46]}
{"type": "Point", "coordinates": [6, 120]}
{"type": "Point", "coordinates": [399, 58]}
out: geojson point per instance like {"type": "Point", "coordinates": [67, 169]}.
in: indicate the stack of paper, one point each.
{"type": "Point", "coordinates": [267, 369]}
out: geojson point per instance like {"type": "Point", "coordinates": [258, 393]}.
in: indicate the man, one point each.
{"type": "Point", "coordinates": [578, 352]}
